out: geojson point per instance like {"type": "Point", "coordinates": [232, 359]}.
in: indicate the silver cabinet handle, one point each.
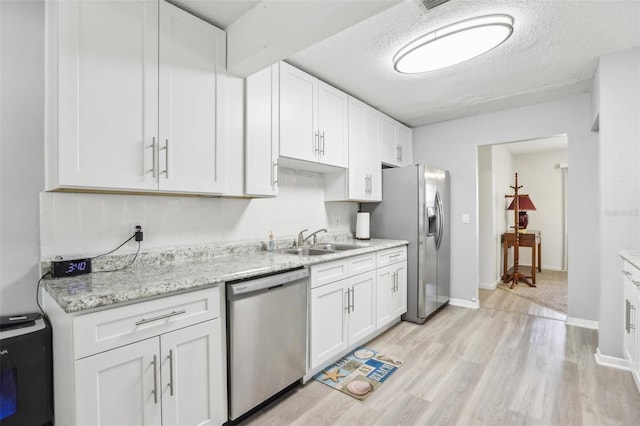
{"type": "Point", "coordinates": [400, 153]}
{"type": "Point", "coordinates": [166, 158]}
{"type": "Point", "coordinates": [170, 371]}
{"type": "Point", "coordinates": [274, 174]}
{"type": "Point", "coordinates": [155, 380]}
{"type": "Point", "coordinates": [316, 143]}
{"type": "Point", "coordinates": [627, 273]}
{"type": "Point", "coordinates": [348, 293]}
{"type": "Point", "coordinates": [159, 317]}
{"type": "Point", "coordinates": [353, 298]}
{"type": "Point", "coordinates": [322, 139]}
{"type": "Point", "coordinates": [153, 156]}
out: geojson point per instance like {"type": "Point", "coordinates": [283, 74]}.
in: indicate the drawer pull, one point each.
{"type": "Point", "coordinates": [159, 317]}
{"type": "Point", "coordinates": [627, 273]}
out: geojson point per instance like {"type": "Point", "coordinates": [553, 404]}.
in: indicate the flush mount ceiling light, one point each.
{"type": "Point", "coordinates": [453, 44]}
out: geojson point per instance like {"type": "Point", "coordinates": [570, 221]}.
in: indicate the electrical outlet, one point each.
{"type": "Point", "coordinates": [132, 227]}
{"type": "Point", "coordinates": [335, 220]}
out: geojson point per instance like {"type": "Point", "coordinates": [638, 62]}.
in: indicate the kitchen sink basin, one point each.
{"type": "Point", "coordinates": [339, 247]}
{"type": "Point", "coordinates": [307, 251]}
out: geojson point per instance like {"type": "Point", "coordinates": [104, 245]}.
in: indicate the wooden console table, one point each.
{"type": "Point", "coordinates": [531, 239]}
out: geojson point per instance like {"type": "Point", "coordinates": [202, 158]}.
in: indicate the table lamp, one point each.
{"type": "Point", "coordinates": [525, 204]}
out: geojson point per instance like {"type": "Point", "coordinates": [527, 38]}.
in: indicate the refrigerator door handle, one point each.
{"type": "Point", "coordinates": [440, 220]}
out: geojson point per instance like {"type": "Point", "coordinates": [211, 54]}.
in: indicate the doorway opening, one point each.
{"type": "Point", "coordinates": [542, 167]}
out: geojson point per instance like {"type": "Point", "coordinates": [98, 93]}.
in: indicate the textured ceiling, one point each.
{"type": "Point", "coordinates": [552, 53]}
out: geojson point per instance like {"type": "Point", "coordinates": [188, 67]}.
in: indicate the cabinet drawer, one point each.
{"type": "Point", "coordinates": [326, 273]}
{"type": "Point", "coordinates": [389, 256]}
{"type": "Point", "coordinates": [361, 264]}
{"type": "Point", "coordinates": [111, 328]}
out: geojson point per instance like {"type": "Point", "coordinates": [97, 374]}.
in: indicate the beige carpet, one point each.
{"type": "Point", "coordinates": [550, 291]}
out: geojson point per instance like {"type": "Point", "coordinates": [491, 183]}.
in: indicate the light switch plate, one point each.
{"type": "Point", "coordinates": [465, 218]}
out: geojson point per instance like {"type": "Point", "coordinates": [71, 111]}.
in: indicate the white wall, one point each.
{"type": "Point", "coordinates": [502, 180]}
{"type": "Point", "coordinates": [542, 180]}
{"type": "Point", "coordinates": [21, 151]}
{"type": "Point", "coordinates": [486, 219]}
{"type": "Point", "coordinates": [619, 88]}
{"type": "Point", "coordinates": [452, 145]}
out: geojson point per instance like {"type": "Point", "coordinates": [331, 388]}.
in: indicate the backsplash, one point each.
{"type": "Point", "coordinates": [89, 224]}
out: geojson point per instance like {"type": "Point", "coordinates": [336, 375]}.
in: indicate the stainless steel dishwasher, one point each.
{"type": "Point", "coordinates": [267, 337]}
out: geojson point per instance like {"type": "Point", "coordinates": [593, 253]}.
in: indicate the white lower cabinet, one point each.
{"type": "Point", "coordinates": [391, 285]}
{"type": "Point", "coordinates": [163, 364]}
{"type": "Point", "coordinates": [115, 387]}
{"type": "Point", "coordinates": [632, 321]}
{"type": "Point", "coordinates": [351, 301]}
{"type": "Point", "coordinates": [391, 289]}
{"type": "Point", "coordinates": [328, 334]}
{"type": "Point", "coordinates": [342, 306]}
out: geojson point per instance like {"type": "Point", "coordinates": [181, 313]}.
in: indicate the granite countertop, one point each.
{"type": "Point", "coordinates": [631, 256]}
{"type": "Point", "coordinates": [139, 282]}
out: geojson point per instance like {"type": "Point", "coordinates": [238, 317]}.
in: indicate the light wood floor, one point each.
{"type": "Point", "coordinates": [511, 362]}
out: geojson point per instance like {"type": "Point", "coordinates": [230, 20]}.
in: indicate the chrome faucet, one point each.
{"type": "Point", "coordinates": [302, 239]}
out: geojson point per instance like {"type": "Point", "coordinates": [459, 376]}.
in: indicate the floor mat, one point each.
{"type": "Point", "coordinates": [359, 373]}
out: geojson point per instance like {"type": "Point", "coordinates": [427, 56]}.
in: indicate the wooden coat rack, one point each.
{"type": "Point", "coordinates": [516, 276]}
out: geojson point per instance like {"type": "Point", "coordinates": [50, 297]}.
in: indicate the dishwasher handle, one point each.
{"type": "Point", "coordinates": [245, 287]}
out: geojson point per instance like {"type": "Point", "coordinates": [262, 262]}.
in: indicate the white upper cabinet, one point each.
{"type": "Point", "coordinates": [313, 119]}
{"type": "Point", "coordinates": [262, 133]}
{"type": "Point", "coordinates": [126, 79]}
{"type": "Point", "coordinates": [395, 142]}
{"type": "Point", "coordinates": [363, 179]}
{"type": "Point", "coordinates": [365, 172]}
{"type": "Point", "coordinates": [192, 61]}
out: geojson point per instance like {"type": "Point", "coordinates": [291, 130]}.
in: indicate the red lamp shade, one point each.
{"type": "Point", "coordinates": [524, 204]}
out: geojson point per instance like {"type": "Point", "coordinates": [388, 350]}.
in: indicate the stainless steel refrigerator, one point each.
{"type": "Point", "coordinates": [415, 207]}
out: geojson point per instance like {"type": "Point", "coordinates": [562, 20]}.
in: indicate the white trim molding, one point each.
{"type": "Point", "coordinates": [611, 361]}
{"type": "Point", "coordinates": [579, 322]}
{"type": "Point", "coordinates": [490, 286]}
{"type": "Point", "coordinates": [465, 303]}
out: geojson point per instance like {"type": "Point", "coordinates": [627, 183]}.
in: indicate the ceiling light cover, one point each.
{"type": "Point", "coordinates": [453, 44]}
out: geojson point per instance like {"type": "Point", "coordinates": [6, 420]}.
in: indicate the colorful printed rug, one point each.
{"type": "Point", "coordinates": [359, 373]}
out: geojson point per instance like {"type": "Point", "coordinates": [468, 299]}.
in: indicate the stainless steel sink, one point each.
{"type": "Point", "coordinates": [307, 251]}
{"type": "Point", "coordinates": [339, 247]}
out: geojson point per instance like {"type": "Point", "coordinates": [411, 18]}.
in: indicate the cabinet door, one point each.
{"type": "Point", "coordinates": [385, 282]}
{"type": "Point", "coordinates": [192, 62]}
{"type": "Point", "coordinates": [630, 333]}
{"type": "Point", "coordinates": [374, 167]}
{"type": "Point", "coordinates": [328, 334]}
{"type": "Point", "coordinates": [262, 133]}
{"type": "Point", "coordinates": [192, 376]}
{"type": "Point", "coordinates": [107, 77]}
{"type": "Point", "coordinates": [404, 145]}
{"type": "Point", "coordinates": [298, 122]}
{"type": "Point", "coordinates": [333, 125]}
{"type": "Point", "coordinates": [399, 296]}
{"type": "Point", "coordinates": [387, 140]}
{"type": "Point", "coordinates": [362, 318]}
{"type": "Point", "coordinates": [117, 387]}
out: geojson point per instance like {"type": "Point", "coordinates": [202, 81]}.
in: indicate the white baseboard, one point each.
{"type": "Point", "coordinates": [611, 361]}
{"type": "Point", "coordinates": [465, 303]}
{"type": "Point", "coordinates": [489, 286]}
{"type": "Point", "coordinates": [579, 322]}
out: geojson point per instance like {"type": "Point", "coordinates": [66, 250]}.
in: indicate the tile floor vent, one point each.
{"type": "Point", "coordinates": [426, 5]}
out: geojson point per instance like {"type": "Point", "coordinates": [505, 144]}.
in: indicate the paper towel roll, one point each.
{"type": "Point", "coordinates": [362, 226]}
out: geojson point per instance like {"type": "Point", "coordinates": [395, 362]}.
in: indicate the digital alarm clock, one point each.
{"type": "Point", "coordinates": [69, 268]}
